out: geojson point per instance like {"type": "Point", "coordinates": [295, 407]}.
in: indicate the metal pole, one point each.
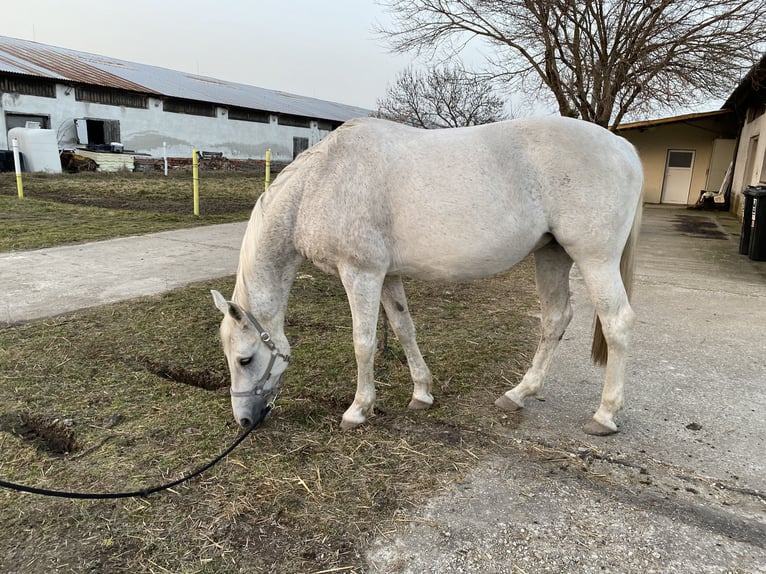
{"type": "Point", "coordinates": [165, 156]}
{"type": "Point", "coordinates": [195, 179]}
{"type": "Point", "coordinates": [268, 170]}
{"type": "Point", "coordinates": [17, 165]}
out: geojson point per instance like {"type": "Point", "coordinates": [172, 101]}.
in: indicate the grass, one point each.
{"type": "Point", "coordinates": [73, 208]}
{"type": "Point", "coordinates": [299, 495]}
{"type": "Point", "coordinates": [136, 392]}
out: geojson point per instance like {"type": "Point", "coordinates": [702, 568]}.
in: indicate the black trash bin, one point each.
{"type": "Point", "coordinates": [752, 241]}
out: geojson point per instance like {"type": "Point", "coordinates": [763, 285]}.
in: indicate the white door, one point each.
{"type": "Point", "coordinates": [678, 176]}
{"type": "Point", "coordinates": [720, 160]}
{"type": "Point", "coordinates": [81, 127]}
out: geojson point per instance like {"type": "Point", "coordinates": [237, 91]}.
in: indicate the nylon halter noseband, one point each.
{"type": "Point", "coordinates": [260, 386]}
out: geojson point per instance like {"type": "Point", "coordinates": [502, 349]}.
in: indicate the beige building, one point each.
{"type": "Point", "coordinates": [720, 151]}
{"type": "Point", "coordinates": [748, 103]}
{"type": "Point", "coordinates": [683, 156]}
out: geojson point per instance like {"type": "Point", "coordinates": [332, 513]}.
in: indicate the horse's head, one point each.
{"type": "Point", "coordinates": [255, 360]}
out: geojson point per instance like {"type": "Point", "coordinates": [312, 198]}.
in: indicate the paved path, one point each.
{"type": "Point", "coordinates": [47, 282]}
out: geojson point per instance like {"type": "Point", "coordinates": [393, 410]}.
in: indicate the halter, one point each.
{"type": "Point", "coordinates": [260, 389]}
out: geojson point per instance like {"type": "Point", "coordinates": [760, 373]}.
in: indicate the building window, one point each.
{"type": "Point", "coordinates": [28, 86]}
{"type": "Point", "coordinates": [93, 132]}
{"type": "Point", "coordinates": [248, 115]}
{"type": "Point", "coordinates": [26, 121]}
{"type": "Point", "coordinates": [326, 125]}
{"type": "Point", "coordinates": [111, 97]}
{"type": "Point", "coordinates": [294, 121]}
{"type": "Point", "coordinates": [191, 107]}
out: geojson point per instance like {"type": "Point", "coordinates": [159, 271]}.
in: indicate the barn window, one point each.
{"type": "Point", "coordinates": [26, 121]}
{"type": "Point", "coordinates": [248, 115]}
{"type": "Point", "coordinates": [94, 132]}
{"type": "Point", "coordinates": [294, 121]}
{"type": "Point", "coordinates": [28, 86]}
{"type": "Point", "coordinates": [191, 107]}
{"type": "Point", "coordinates": [111, 97]}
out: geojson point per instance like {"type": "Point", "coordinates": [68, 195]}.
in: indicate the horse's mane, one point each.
{"type": "Point", "coordinates": [247, 252]}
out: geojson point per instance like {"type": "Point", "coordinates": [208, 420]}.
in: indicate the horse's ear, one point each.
{"type": "Point", "coordinates": [227, 307]}
{"type": "Point", "coordinates": [220, 302]}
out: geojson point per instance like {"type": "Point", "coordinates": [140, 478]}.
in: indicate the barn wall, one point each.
{"type": "Point", "coordinates": [144, 130]}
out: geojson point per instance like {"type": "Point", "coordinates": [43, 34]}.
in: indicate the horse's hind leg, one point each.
{"type": "Point", "coordinates": [395, 305]}
{"type": "Point", "coordinates": [552, 266]}
{"type": "Point", "coordinates": [607, 292]}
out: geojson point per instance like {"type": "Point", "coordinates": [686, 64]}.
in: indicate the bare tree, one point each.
{"type": "Point", "coordinates": [441, 97]}
{"type": "Point", "coordinates": [599, 59]}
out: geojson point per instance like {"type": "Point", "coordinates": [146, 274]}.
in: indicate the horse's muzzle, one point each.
{"type": "Point", "coordinates": [257, 409]}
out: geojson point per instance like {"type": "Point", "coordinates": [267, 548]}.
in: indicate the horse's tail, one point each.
{"type": "Point", "coordinates": [599, 349]}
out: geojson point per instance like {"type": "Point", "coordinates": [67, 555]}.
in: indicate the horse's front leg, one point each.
{"type": "Point", "coordinates": [395, 304]}
{"type": "Point", "coordinates": [363, 291]}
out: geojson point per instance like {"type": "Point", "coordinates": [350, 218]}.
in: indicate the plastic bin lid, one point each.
{"type": "Point", "coordinates": [757, 191]}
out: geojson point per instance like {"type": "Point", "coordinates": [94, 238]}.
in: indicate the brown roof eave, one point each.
{"type": "Point", "coordinates": [672, 120]}
{"type": "Point", "coordinates": [748, 89]}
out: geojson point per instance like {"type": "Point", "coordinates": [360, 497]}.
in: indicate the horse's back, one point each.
{"type": "Point", "coordinates": [460, 203]}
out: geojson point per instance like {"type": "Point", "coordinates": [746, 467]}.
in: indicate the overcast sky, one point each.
{"type": "Point", "coordinates": [325, 49]}
{"type": "Point", "coordinates": [320, 48]}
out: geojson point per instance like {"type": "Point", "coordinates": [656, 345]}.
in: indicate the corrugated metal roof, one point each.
{"type": "Point", "coordinates": [35, 59]}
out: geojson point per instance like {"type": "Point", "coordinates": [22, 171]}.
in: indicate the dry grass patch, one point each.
{"type": "Point", "coordinates": [72, 208]}
{"type": "Point", "coordinates": [142, 386]}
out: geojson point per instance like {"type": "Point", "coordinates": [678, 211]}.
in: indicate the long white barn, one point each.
{"type": "Point", "coordinates": [94, 101]}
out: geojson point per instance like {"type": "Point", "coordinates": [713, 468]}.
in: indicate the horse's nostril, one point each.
{"type": "Point", "coordinates": [245, 422]}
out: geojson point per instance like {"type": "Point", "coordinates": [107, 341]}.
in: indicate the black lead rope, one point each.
{"type": "Point", "coordinates": [136, 493]}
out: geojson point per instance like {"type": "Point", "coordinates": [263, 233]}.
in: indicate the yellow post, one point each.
{"type": "Point", "coordinates": [195, 179]}
{"type": "Point", "coordinates": [268, 170]}
{"type": "Point", "coordinates": [17, 166]}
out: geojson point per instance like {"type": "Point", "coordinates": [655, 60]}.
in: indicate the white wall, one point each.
{"type": "Point", "coordinates": [750, 160]}
{"type": "Point", "coordinates": [144, 130]}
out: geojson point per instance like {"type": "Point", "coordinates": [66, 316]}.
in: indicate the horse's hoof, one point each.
{"type": "Point", "coordinates": [508, 404]}
{"type": "Point", "coordinates": [593, 427]}
{"type": "Point", "coordinates": [348, 425]}
{"type": "Point", "coordinates": [418, 405]}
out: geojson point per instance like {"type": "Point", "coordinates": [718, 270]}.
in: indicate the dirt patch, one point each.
{"type": "Point", "coordinates": [221, 205]}
{"type": "Point", "coordinates": [52, 434]}
{"type": "Point", "coordinates": [207, 379]}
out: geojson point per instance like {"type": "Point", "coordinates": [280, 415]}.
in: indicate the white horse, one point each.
{"type": "Point", "coordinates": [376, 201]}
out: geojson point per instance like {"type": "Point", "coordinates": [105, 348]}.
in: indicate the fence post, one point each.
{"type": "Point", "coordinates": [165, 156]}
{"type": "Point", "coordinates": [195, 179]}
{"type": "Point", "coordinates": [17, 165]}
{"type": "Point", "coordinates": [268, 170]}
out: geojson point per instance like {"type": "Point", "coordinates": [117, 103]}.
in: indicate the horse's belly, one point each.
{"type": "Point", "coordinates": [459, 258]}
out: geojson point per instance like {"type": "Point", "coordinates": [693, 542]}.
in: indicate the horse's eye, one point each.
{"type": "Point", "coordinates": [245, 361]}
